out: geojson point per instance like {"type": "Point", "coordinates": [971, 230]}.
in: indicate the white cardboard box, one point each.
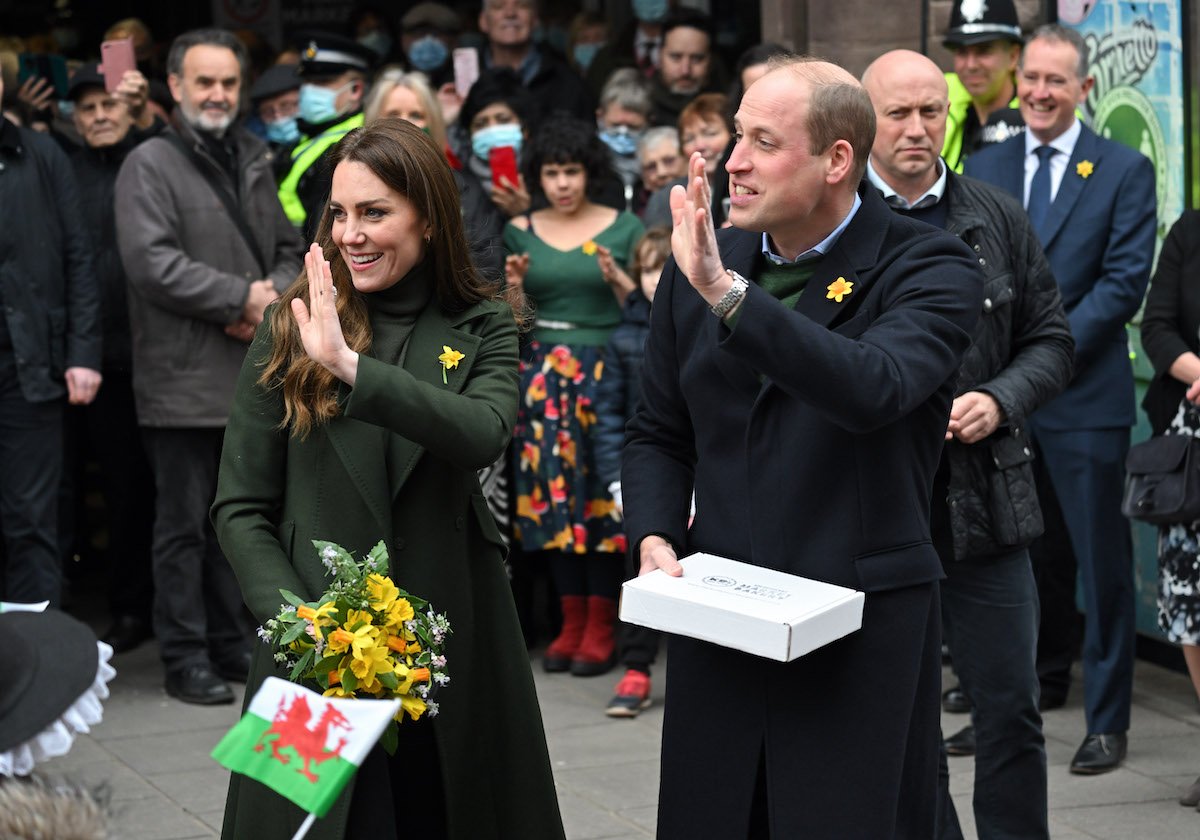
{"type": "Point", "coordinates": [737, 605]}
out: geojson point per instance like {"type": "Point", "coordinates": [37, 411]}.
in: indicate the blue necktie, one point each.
{"type": "Point", "coordinates": [1039, 188]}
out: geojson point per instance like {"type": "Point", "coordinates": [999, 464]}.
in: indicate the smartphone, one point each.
{"type": "Point", "coordinates": [466, 69]}
{"type": "Point", "coordinates": [52, 68]}
{"type": "Point", "coordinates": [116, 59]}
{"type": "Point", "coordinates": [503, 160]}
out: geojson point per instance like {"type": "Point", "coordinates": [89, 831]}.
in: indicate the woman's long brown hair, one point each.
{"type": "Point", "coordinates": [407, 161]}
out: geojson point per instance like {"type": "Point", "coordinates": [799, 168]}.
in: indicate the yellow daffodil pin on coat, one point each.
{"type": "Point", "coordinates": [1084, 168]}
{"type": "Point", "coordinates": [449, 359]}
{"type": "Point", "coordinates": [838, 289]}
{"type": "Point", "coordinates": [589, 248]}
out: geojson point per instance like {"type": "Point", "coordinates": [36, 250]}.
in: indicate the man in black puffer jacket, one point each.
{"type": "Point", "coordinates": [985, 508]}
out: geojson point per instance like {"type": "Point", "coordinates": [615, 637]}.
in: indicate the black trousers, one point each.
{"type": "Point", "coordinates": [107, 433]}
{"type": "Point", "coordinates": [198, 614]}
{"type": "Point", "coordinates": [30, 471]}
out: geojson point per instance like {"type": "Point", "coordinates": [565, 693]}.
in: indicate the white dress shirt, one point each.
{"type": "Point", "coordinates": [1064, 143]}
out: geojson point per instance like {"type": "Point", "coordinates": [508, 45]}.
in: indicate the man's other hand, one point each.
{"type": "Point", "coordinates": [656, 553]}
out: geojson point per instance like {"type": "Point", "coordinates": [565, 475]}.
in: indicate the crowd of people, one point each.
{"type": "Point", "coordinates": [902, 298]}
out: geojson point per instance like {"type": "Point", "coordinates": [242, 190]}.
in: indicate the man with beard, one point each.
{"type": "Point", "coordinates": [687, 66]}
{"type": "Point", "coordinates": [206, 247]}
{"type": "Point", "coordinates": [107, 429]}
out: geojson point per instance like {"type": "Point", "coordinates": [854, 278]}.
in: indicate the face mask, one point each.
{"type": "Point", "coordinates": [621, 139]}
{"type": "Point", "coordinates": [66, 107]}
{"type": "Point", "coordinates": [378, 42]}
{"type": "Point", "coordinates": [650, 11]}
{"type": "Point", "coordinates": [427, 53]}
{"type": "Point", "coordinates": [284, 131]}
{"type": "Point", "coordinates": [318, 104]}
{"type": "Point", "coordinates": [584, 53]}
{"type": "Point", "coordinates": [495, 136]}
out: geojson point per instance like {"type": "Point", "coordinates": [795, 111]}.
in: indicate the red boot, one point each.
{"type": "Point", "coordinates": [597, 652]}
{"type": "Point", "coordinates": [562, 650]}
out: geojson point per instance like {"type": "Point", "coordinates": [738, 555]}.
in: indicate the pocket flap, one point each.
{"type": "Point", "coordinates": [1159, 454]}
{"type": "Point", "coordinates": [1008, 451]}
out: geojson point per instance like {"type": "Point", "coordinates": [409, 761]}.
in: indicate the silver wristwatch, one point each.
{"type": "Point", "coordinates": [732, 297]}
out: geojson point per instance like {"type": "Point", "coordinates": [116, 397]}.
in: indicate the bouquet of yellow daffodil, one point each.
{"type": "Point", "coordinates": [364, 637]}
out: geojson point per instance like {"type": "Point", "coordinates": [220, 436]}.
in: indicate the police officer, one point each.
{"type": "Point", "coordinates": [333, 72]}
{"type": "Point", "coordinates": [986, 41]}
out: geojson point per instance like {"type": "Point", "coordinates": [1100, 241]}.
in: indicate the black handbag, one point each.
{"type": "Point", "coordinates": [1162, 481]}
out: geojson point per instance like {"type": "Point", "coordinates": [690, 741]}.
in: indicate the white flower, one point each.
{"type": "Point", "coordinates": [410, 626]}
{"type": "Point", "coordinates": [438, 661]}
{"type": "Point", "coordinates": [263, 634]}
{"type": "Point", "coordinates": [281, 657]}
{"type": "Point", "coordinates": [441, 678]}
{"type": "Point", "coordinates": [422, 691]}
{"type": "Point", "coordinates": [431, 708]}
{"type": "Point", "coordinates": [328, 556]}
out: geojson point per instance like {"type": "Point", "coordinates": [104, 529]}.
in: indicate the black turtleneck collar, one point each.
{"type": "Point", "coordinates": [394, 311]}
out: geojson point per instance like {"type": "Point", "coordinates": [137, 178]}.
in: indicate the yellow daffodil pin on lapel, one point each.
{"type": "Point", "coordinates": [1084, 168]}
{"type": "Point", "coordinates": [449, 359]}
{"type": "Point", "coordinates": [838, 289]}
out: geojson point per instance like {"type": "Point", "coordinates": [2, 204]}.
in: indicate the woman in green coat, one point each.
{"type": "Point", "coordinates": [347, 426]}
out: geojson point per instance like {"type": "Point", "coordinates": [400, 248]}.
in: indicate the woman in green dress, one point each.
{"type": "Point", "coordinates": [568, 259]}
{"type": "Point", "coordinates": [348, 427]}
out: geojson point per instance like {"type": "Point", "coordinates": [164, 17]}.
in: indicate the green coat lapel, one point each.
{"type": "Point", "coordinates": [433, 331]}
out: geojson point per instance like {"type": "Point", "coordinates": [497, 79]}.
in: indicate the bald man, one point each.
{"type": "Point", "coordinates": [985, 508]}
{"type": "Point", "coordinates": [799, 371]}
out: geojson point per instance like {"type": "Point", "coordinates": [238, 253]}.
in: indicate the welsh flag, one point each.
{"type": "Point", "coordinates": [302, 745]}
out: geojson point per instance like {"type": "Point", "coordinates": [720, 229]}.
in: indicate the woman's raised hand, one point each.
{"type": "Point", "coordinates": [516, 266]}
{"type": "Point", "coordinates": [320, 328]}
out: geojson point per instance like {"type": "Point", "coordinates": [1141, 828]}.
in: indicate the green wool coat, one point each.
{"type": "Point", "coordinates": [399, 464]}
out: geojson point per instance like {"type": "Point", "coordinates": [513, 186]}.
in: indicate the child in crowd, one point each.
{"type": "Point", "coordinates": [616, 398]}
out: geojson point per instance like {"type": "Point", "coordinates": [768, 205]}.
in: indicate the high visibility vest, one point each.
{"type": "Point", "coordinates": [956, 121]}
{"type": "Point", "coordinates": [306, 153]}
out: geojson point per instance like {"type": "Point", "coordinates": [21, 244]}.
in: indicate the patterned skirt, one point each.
{"type": "Point", "coordinates": [1179, 559]}
{"type": "Point", "coordinates": [561, 504]}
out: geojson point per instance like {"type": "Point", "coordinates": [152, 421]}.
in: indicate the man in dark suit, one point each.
{"type": "Point", "coordinates": [807, 406]}
{"type": "Point", "coordinates": [1091, 202]}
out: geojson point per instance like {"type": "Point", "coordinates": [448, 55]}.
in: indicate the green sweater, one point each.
{"type": "Point", "coordinates": [567, 286]}
{"type": "Point", "coordinates": [783, 282]}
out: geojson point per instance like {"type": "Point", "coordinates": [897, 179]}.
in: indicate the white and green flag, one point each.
{"type": "Point", "coordinates": [302, 745]}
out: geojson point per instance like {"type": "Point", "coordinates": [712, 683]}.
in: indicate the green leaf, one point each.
{"type": "Point", "coordinates": [326, 664]}
{"type": "Point", "coordinates": [389, 681]}
{"type": "Point", "coordinates": [301, 666]}
{"type": "Point", "coordinates": [291, 598]}
{"type": "Point", "coordinates": [391, 737]}
{"type": "Point", "coordinates": [377, 557]}
{"type": "Point", "coordinates": [349, 681]}
{"type": "Point", "coordinates": [294, 632]}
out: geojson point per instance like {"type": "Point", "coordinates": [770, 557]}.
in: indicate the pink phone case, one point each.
{"type": "Point", "coordinates": [466, 69]}
{"type": "Point", "coordinates": [116, 58]}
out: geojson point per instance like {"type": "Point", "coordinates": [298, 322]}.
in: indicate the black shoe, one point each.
{"type": "Point", "coordinates": [234, 668]}
{"type": "Point", "coordinates": [126, 633]}
{"type": "Point", "coordinates": [961, 742]}
{"type": "Point", "coordinates": [956, 701]}
{"type": "Point", "coordinates": [1099, 754]}
{"type": "Point", "coordinates": [198, 684]}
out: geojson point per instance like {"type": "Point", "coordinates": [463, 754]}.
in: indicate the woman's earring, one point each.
{"type": "Point", "coordinates": [428, 238]}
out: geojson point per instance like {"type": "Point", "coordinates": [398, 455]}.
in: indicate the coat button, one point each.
{"type": "Point", "coordinates": [987, 304]}
{"type": "Point", "coordinates": [977, 248]}
{"type": "Point", "coordinates": [1026, 450]}
{"type": "Point", "coordinates": [982, 261]}
{"type": "Point", "coordinates": [458, 523]}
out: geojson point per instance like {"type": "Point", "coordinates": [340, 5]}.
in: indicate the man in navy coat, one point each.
{"type": "Point", "coordinates": [1091, 202]}
{"type": "Point", "coordinates": [798, 374]}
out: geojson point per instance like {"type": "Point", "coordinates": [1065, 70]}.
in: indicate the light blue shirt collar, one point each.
{"type": "Point", "coordinates": [821, 248]}
{"type": "Point", "coordinates": [930, 197]}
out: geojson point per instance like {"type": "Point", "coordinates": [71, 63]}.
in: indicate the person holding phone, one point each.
{"type": "Point", "coordinates": [569, 260]}
{"type": "Point", "coordinates": [498, 116]}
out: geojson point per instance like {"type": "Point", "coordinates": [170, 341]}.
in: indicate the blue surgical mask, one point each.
{"type": "Point", "coordinates": [66, 108]}
{"type": "Point", "coordinates": [495, 136]}
{"type": "Point", "coordinates": [284, 131]}
{"type": "Point", "coordinates": [318, 104]}
{"type": "Point", "coordinates": [428, 53]}
{"type": "Point", "coordinates": [621, 139]}
{"type": "Point", "coordinates": [650, 11]}
{"type": "Point", "coordinates": [584, 53]}
{"type": "Point", "coordinates": [378, 42]}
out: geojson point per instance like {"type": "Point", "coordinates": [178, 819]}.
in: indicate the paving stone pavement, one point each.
{"type": "Point", "coordinates": [152, 753]}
